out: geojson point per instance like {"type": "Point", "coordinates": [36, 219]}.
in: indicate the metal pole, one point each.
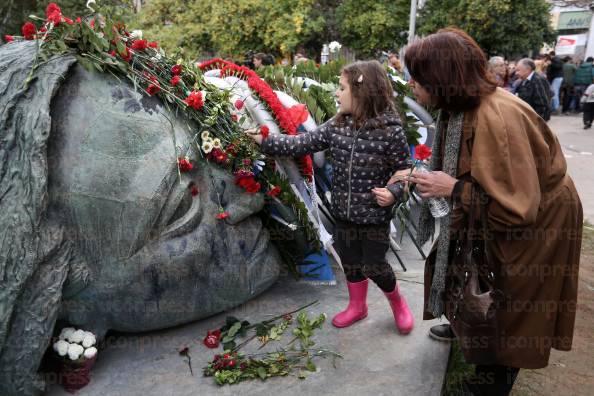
{"type": "Point", "coordinates": [413, 20]}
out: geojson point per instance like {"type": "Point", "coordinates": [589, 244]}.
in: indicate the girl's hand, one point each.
{"type": "Point", "coordinates": [256, 135]}
{"type": "Point", "coordinates": [383, 196]}
{"type": "Point", "coordinates": [434, 184]}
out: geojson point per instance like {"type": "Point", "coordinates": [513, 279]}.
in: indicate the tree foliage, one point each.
{"type": "Point", "coordinates": [506, 27]}
{"type": "Point", "coordinates": [368, 25]}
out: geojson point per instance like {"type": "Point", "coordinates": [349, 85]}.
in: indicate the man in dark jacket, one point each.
{"type": "Point", "coordinates": [567, 89]}
{"type": "Point", "coordinates": [584, 76]}
{"type": "Point", "coordinates": [534, 89]}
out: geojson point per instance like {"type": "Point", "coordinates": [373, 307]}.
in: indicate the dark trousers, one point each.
{"type": "Point", "coordinates": [569, 100]}
{"type": "Point", "coordinates": [493, 380]}
{"type": "Point", "coordinates": [588, 113]}
{"type": "Point", "coordinates": [362, 250]}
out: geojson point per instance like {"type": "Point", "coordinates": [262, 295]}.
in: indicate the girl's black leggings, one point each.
{"type": "Point", "coordinates": [362, 250]}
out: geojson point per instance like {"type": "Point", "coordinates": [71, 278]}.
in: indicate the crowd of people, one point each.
{"type": "Point", "coordinates": [550, 84]}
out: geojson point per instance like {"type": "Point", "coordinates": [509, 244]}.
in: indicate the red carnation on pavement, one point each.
{"type": "Point", "coordinates": [153, 89]}
{"type": "Point", "coordinates": [153, 44]}
{"type": "Point", "coordinates": [239, 104]}
{"type": "Point", "coordinates": [212, 338]}
{"type": "Point", "coordinates": [8, 38]}
{"type": "Point", "coordinates": [184, 164]}
{"type": "Point", "coordinates": [274, 192]}
{"type": "Point", "coordinates": [194, 100]}
{"type": "Point", "coordinates": [175, 80]}
{"type": "Point", "coordinates": [222, 214]}
{"type": "Point", "coordinates": [28, 30]}
{"type": "Point", "coordinates": [139, 45]}
{"type": "Point", "coordinates": [51, 8]}
{"type": "Point", "coordinates": [176, 70]}
{"type": "Point", "coordinates": [194, 190]}
{"type": "Point", "coordinates": [265, 131]}
{"type": "Point", "coordinates": [422, 152]}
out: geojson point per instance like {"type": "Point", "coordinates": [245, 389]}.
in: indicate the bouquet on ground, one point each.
{"type": "Point", "coordinates": [77, 352]}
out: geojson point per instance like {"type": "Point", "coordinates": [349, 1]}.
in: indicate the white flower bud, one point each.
{"type": "Point", "coordinates": [74, 351]}
{"type": "Point", "coordinates": [66, 333]}
{"type": "Point", "coordinates": [90, 352]}
{"type": "Point", "coordinates": [61, 347]}
{"type": "Point", "coordinates": [77, 336]}
{"type": "Point", "coordinates": [89, 340]}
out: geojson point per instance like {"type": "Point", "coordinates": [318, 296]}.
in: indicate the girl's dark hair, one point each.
{"type": "Point", "coordinates": [371, 90]}
{"type": "Point", "coordinates": [452, 68]}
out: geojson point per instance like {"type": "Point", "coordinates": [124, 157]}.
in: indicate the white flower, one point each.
{"type": "Point", "coordinates": [334, 46]}
{"type": "Point", "coordinates": [207, 146]}
{"type": "Point", "coordinates": [74, 351]}
{"type": "Point", "coordinates": [90, 352]}
{"type": "Point", "coordinates": [216, 143]}
{"type": "Point", "coordinates": [77, 336]}
{"type": "Point", "coordinates": [259, 164]}
{"type": "Point", "coordinates": [61, 347]}
{"type": "Point", "coordinates": [89, 2]}
{"type": "Point", "coordinates": [89, 340]}
{"type": "Point", "coordinates": [292, 227]}
{"type": "Point", "coordinates": [66, 332]}
{"type": "Point", "coordinates": [205, 135]}
{"type": "Point", "coordinates": [136, 34]}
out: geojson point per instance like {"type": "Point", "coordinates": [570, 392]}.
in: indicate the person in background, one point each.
{"type": "Point", "coordinates": [588, 106]}
{"type": "Point", "coordinates": [554, 74]}
{"type": "Point", "coordinates": [584, 76]}
{"type": "Point", "coordinates": [569, 100]}
{"type": "Point", "coordinates": [394, 64]}
{"type": "Point", "coordinates": [534, 88]}
{"type": "Point", "coordinates": [499, 69]}
{"type": "Point", "coordinates": [261, 59]}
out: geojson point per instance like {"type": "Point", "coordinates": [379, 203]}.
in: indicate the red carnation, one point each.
{"type": "Point", "coordinates": [184, 165]}
{"type": "Point", "coordinates": [127, 55]}
{"type": "Point", "coordinates": [212, 339]}
{"type": "Point", "coordinates": [112, 53]}
{"type": "Point", "coordinates": [92, 23]}
{"type": "Point", "coordinates": [194, 100]}
{"type": "Point", "coordinates": [8, 38]}
{"type": "Point", "coordinates": [234, 117]}
{"type": "Point", "coordinates": [153, 44]}
{"type": "Point", "coordinates": [175, 80]}
{"type": "Point", "coordinates": [68, 21]}
{"type": "Point", "coordinates": [239, 104]}
{"type": "Point", "coordinates": [55, 17]}
{"type": "Point", "coordinates": [222, 215]}
{"type": "Point", "coordinates": [139, 45]}
{"type": "Point", "coordinates": [78, 20]}
{"type": "Point", "coordinates": [176, 70]}
{"type": "Point", "coordinates": [265, 131]}
{"type": "Point", "coordinates": [422, 152]}
{"type": "Point", "coordinates": [194, 190]}
{"type": "Point", "coordinates": [274, 192]}
{"type": "Point", "coordinates": [42, 29]}
{"type": "Point", "coordinates": [51, 8]}
{"type": "Point", "coordinates": [153, 89]}
{"type": "Point", "coordinates": [28, 30]}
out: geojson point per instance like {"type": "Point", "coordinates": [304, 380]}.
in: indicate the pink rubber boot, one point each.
{"type": "Point", "coordinates": [357, 308]}
{"type": "Point", "coordinates": [402, 315]}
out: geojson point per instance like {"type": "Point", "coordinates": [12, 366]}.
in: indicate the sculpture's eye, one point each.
{"type": "Point", "coordinates": [182, 208]}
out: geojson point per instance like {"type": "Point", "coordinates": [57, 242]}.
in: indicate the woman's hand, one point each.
{"type": "Point", "coordinates": [256, 135]}
{"type": "Point", "coordinates": [383, 196]}
{"type": "Point", "coordinates": [433, 184]}
{"type": "Point", "coordinates": [400, 176]}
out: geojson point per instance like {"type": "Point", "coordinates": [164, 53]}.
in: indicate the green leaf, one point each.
{"type": "Point", "coordinates": [229, 345]}
{"type": "Point", "coordinates": [234, 329]}
{"type": "Point", "coordinates": [262, 373]}
{"type": "Point", "coordinates": [310, 365]}
{"type": "Point", "coordinates": [121, 47]}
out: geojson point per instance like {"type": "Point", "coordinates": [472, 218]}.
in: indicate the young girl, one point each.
{"type": "Point", "coordinates": [367, 145]}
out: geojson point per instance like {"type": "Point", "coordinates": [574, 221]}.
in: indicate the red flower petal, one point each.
{"type": "Point", "coordinates": [176, 70]}
{"type": "Point", "coordinates": [239, 104]}
{"type": "Point", "coordinates": [8, 38]}
{"type": "Point", "coordinates": [175, 80]}
{"type": "Point", "coordinates": [28, 30]}
{"type": "Point", "coordinates": [153, 44]}
{"type": "Point", "coordinates": [184, 165]}
{"type": "Point", "coordinates": [51, 8]}
{"type": "Point", "coordinates": [139, 45]}
{"type": "Point", "coordinates": [422, 152]}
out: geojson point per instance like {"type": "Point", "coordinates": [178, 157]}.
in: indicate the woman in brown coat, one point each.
{"type": "Point", "coordinates": [487, 137]}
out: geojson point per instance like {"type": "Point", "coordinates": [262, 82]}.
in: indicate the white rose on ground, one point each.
{"type": "Point", "coordinates": [90, 352]}
{"type": "Point", "coordinates": [89, 340]}
{"type": "Point", "coordinates": [74, 351]}
{"type": "Point", "coordinates": [61, 347]}
{"type": "Point", "coordinates": [66, 332]}
{"type": "Point", "coordinates": [77, 336]}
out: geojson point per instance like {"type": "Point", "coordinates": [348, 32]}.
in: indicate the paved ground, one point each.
{"type": "Point", "coordinates": [578, 147]}
{"type": "Point", "coordinates": [377, 360]}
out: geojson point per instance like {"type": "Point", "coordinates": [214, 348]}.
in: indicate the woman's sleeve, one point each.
{"type": "Point", "coordinates": [298, 145]}
{"type": "Point", "coordinates": [505, 161]}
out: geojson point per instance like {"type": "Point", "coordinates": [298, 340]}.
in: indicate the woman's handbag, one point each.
{"type": "Point", "coordinates": [475, 298]}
